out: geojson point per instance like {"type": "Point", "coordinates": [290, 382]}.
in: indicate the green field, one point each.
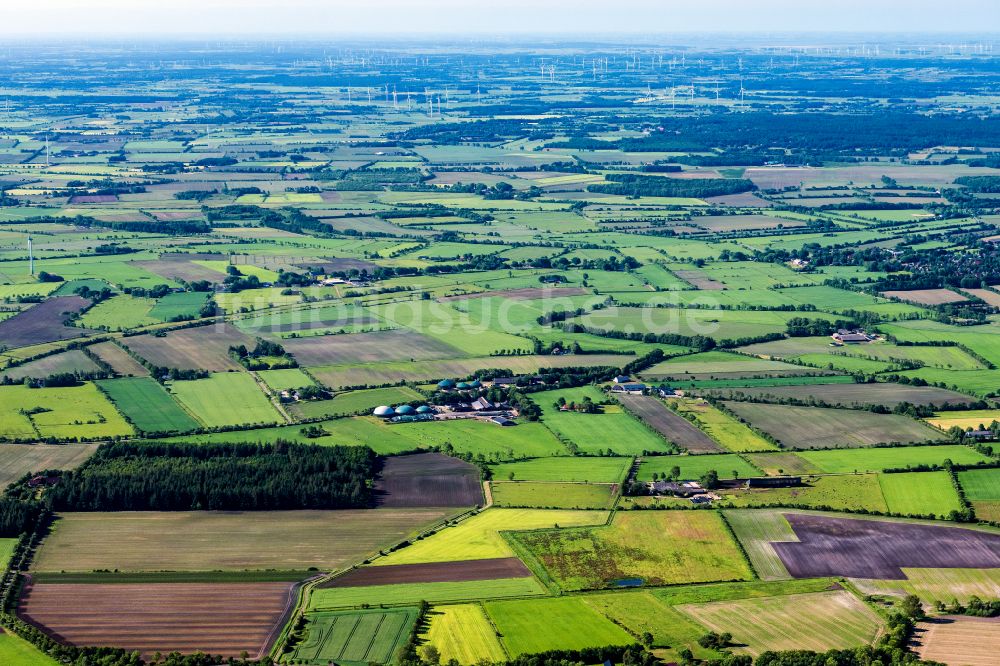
{"type": "Point", "coordinates": [147, 405]}
{"type": "Point", "coordinates": [358, 637]}
{"type": "Point", "coordinates": [981, 484]}
{"type": "Point", "coordinates": [479, 538]}
{"type": "Point", "coordinates": [354, 402]}
{"type": "Point", "coordinates": [80, 412]}
{"type": "Point", "coordinates": [410, 593]}
{"type": "Point", "coordinates": [177, 306]}
{"type": "Point", "coordinates": [577, 470]}
{"type": "Point", "coordinates": [641, 547]}
{"type": "Point", "coordinates": [245, 403]}
{"type": "Point", "coordinates": [919, 493]}
{"type": "Point", "coordinates": [856, 492]}
{"type": "Point", "coordinates": [727, 431]}
{"type": "Point", "coordinates": [568, 624]}
{"type": "Point", "coordinates": [846, 461]}
{"type": "Point", "coordinates": [552, 495]}
{"type": "Point", "coordinates": [756, 531]}
{"type": "Point", "coordinates": [15, 651]}
{"type": "Point", "coordinates": [693, 467]}
{"type": "Point", "coordinates": [120, 313]}
{"type": "Point", "coordinates": [464, 634]}
{"type": "Point", "coordinates": [819, 621]}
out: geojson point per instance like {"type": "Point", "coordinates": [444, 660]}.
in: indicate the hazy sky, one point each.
{"type": "Point", "coordinates": [161, 17]}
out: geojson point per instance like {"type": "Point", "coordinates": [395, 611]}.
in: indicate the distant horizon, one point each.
{"type": "Point", "coordinates": [438, 18]}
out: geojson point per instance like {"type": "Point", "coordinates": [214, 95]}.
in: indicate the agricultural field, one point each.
{"type": "Point", "coordinates": [821, 427]}
{"type": "Point", "coordinates": [147, 405]}
{"type": "Point", "coordinates": [16, 460]}
{"type": "Point", "coordinates": [214, 271]}
{"type": "Point", "coordinates": [549, 495]}
{"type": "Point", "coordinates": [192, 541]}
{"type": "Point", "coordinates": [479, 537]}
{"type": "Point", "coordinates": [819, 621]}
{"type": "Point", "coordinates": [982, 489]}
{"type": "Point", "coordinates": [360, 636]}
{"type": "Point", "coordinates": [217, 618]}
{"type": "Point", "coordinates": [569, 624]}
{"type": "Point", "coordinates": [636, 548]}
{"type": "Point", "coordinates": [972, 641]}
{"type": "Point", "coordinates": [246, 404]}
{"type": "Point", "coordinates": [576, 470]}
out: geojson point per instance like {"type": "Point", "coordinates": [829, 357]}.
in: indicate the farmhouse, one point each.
{"type": "Point", "coordinates": [481, 404]}
{"type": "Point", "coordinates": [848, 337]}
{"type": "Point", "coordinates": [630, 388]}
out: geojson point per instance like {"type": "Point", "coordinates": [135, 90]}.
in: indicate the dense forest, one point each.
{"type": "Point", "coordinates": [249, 477]}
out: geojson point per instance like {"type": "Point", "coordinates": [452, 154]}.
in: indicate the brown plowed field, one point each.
{"type": "Point", "coordinates": [181, 270]}
{"type": "Point", "coordinates": [880, 549]}
{"type": "Point", "coordinates": [118, 359]}
{"type": "Point", "coordinates": [959, 640]}
{"type": "Point", "coordinates": [674, 427]}
{"type": "Point", "coordinates": [428, 479]}
{"type": "Point", "coordinates": [216, 618]}
{"type": "Point", "coordinates": [434, 572]}
{"type": "Point", "coordinates": [43, 323]}
{"type": "Point", "coordinates": [198, 348]}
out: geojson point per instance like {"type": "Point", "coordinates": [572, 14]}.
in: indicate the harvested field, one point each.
{"type": "Point", "coordinates": [880, 549]}
{"type": "Point", "coordinates": [988, 296]}
{"type": "Point", "coordinates": [822, 427]}
{"type": "Point", "coordinates": [852, 395]}
{"type": "Point", "coordinates": [198, 348]}
{"type": "Point", "coordinates": [234, 540]}
{"type": "Point", "coordinates": [185, 270]}
{"type": "Point", "coordinates": [118, 359]}
{"type": "Point", "coordinates": [927, 296]}
{"type": "Point", "coordinates": [428, 479]}
{"type": "Point", "coordinates": [816, 621]}
{"type": "Point", "coordinates": [216, 618]}
{"type": "Point", "coordinates": [674, 427]}
{"type": "Point", "coordinates": [525, 294]}
{"type": "Point", "coordinates": [394, 345]}
{"type": "Point", "coordinates": [73, 361]}
{"type": "Point", "coordinates": [933, 585]}
{"type": "Point", "coordinates": [44, 323]}
{"type": "Point", "coordinates": [16, 460]}
{"type": "Point", "coordinates": [958, 640]}
{"type": "Point", "coordinates": [699, 280]}
{"type": "Point", "coordinates": [433, 572]}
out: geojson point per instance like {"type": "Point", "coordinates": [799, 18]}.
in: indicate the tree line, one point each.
{"type": "Point", "coordinates": [125, 476]}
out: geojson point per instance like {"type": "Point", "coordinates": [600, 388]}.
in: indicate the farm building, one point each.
{"type": "Point", "coordinates": [633, 388]}
{"type": "Point", "coordinates": [503, 421]}
{"type": "Point", "coordinates": [774, 482]}
{"type": "Point", "coordinates": [481, 404]}
{"type": "Point", "coordinates": [676, 488]}
{"type": "Point", "coordinates": [446, 384]}
{"type": "Point", "coordinates": [384, 411]}
{"type": "Point", "coordinates": [405, 410]}
{"type": "Point", "coordinates": [622, 379]}
{"type": "Point", "coordinates": [847, 337]}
